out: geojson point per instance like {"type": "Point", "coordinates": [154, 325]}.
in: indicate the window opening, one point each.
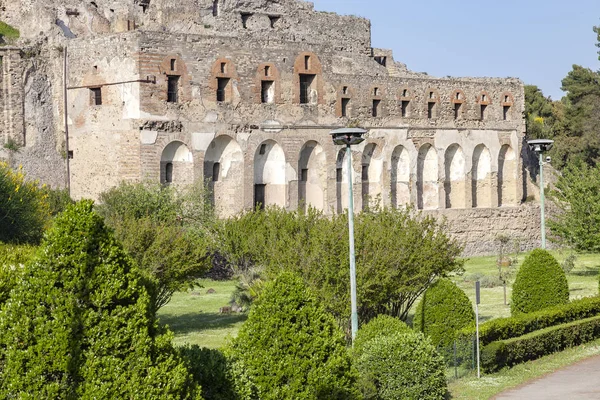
{"type": "Point", "coordinates": [223, 68]}
{"type": "Point", "coordinates": [215, 9]}
{"type": "Point", "coordinates": [381, 60]}
{"type": "Point", "coordinates": [259, 196]}
{"type": "Point", "coordinates": [263, 149]}
{"type": "Point", "coordinates": [483, 108]}
{"type": "Point", "coordinates": [245, 18]}
{"type": "Point", "coordinates": [375, 110]}
{"type": "Point", "coordinates": [169, 172]}
{"type": "Point", "coordinates": [457, 110]}
{"type": "Point", "coordinates": [345, 103]}
{"type": "Point", "coordinates": [345, 90]}
{"type": "Point", "coordinates": [430, 110]}
{"type": "Point", "coordinates": [267, 70]}
{"type": "Point", "coordinates": [274, 19]}
{"type": "Point", "coordinates": [505, 112]}
{"type": "Point", "coordinates": [172, 64]}
{"type": "Point", "coordinates": [222, 84]}
{"type": "Point", "coordinates": [96, 94]}
{"type": "Point", "coordinates": [307, 62]}
{"type": "Point", "coordinates": [304, 175]}
{"type": "Point", "coordinates": [405, 93]}
{"type": "Point", "coordinates": [216, 172]}
{"type": "Point", "coordinates": [267, 91]}
{"type": "Point", "coordinates": [306, 82]}
{"type": "Point", "coordinates": [172, 90]}
{"type": "Point", "coordinates": [70, 154]}
{"type": "Point", "coordinates": [431, 94]}
{"type": "Point", "coordinates": [338, 175]}
{"type": "Point", "coordinates": [376, 92]}
{"type": "Point", "coordinates": [483, 97]}
{"type": "Point", "coordinates": [404, 108]}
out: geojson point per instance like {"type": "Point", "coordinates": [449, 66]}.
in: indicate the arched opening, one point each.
{"type": "Point", "coordinates": [507, 177]}
{"type": "Point", "coordinates": [371, 172]}
{"type": "Point", "coordinates": [481, 183]}
{"type": "Point", "coordinates": [312, 178]}
{"type": "Point", "coordinates": [400, 177]}
{"type": "Point", "coordinates": [224, 174]}
{"type": "Point", "coordinates": [176, 164]}
{"type": "Point", "coordinates": [427, 178]}
{"type": "Point", "coordinates": [270, 186]}
{"type": "Point", "coordinates": [454, 182]}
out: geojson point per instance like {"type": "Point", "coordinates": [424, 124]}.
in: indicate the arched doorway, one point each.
{"type": "Point", "coordinates": [507, 177]}
{"type": "Point", "coordinates": [427, 178]}
{"type": "Point", "coordinates": [481, 174]}
{"type": "Point", "coordinates": [312, 176]}
{"type": "Point", "coordinates": [371, 173]}
{"type": "Point", "coordinates": [270, 185]}
{"type": "Point", "coordinates": [224, 174]}
{"type": "Point", "coordinates": [176, 164]}
{"type": "Point", "coordinates": [400, 177]}
{"type": "Point", "coordinates": [454, 182]}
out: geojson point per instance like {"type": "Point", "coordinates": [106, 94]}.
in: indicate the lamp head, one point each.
{"type": "Point", "coordinates": [540, 145]}
{"type": "Point", "coordinates": [348, 136]}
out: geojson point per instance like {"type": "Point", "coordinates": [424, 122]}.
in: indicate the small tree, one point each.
{"type": "Point", "coordinates": [540, 283]}
{"type": "Point", "coordinates": [443, 310]}
{"type": "Point", "coordinates": [80, 324]}
{"type": "Point", "coordinates": [290, 348]}
{"type": "Point", "coordinates": [380, 325]}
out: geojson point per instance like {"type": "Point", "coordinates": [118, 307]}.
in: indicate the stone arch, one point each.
{"type": "Point", "coordinates": [507, 177]}
{"type": "Point", "coordinates": [270, 184]}
{"type": "Point", "coordinates": [371, 174]}
{"type": "Point", "coordinates": [400, 177]}
{"type": "Point", "coordinates": [312, 176]}
{"type": "Point", "coordinates": [341, 180]}
{"type": "Point", "coordinates": [176, 164]}
{"type": "Point", "coordinates": [481, 174]}
{"type": "Point", "coordinates": [427, 178]}
{"type": "Point", "coordinates": [455, 175]}
{"type": "Point", "coordinates": [224, 174]}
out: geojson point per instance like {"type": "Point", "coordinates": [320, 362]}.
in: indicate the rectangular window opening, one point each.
{"type": "Point", "coordinates": [506, 113]}
{"type": "Point", "coordinates": [307, 62]}
{"type": "Point", "coordinates": [223, 68]}
{"type": "Point", "coordinates": [457, 107]}
{"type": "Point", "coordinates": [375, 109]}
{"type": "Point", "coordinates": [263, 149]}
{"type": "Point", "coordinates": [404, 108]}
{"type": "Point", "coordinates": [172, 90]}
{"type": "Point", "coordinates": [304, 175]}
{"type": "Point", "coordinates": [483, 108]}
{"type": "Point", "coordinates": [381, 60]}
{"type": "Point", "coordinates": [306, 82]}
{"type": "Point", "coordinates": [267, 70]}
{"type": "Point", "coordinates": [96, 96]}
{"type": "Point", "coordinates": [70, 155]}
{"type": "Point", "coordinates": [430, 110]}
{"type": "Point", "coordinates": [245, 19]}
{"type": "Point", "coordinates": [173, 64]}
{"type": "Point", "coordinates": [215, 9]}
{"type": "Point", "coordinates": [259, 196]}
{"type": "Point", "coordinates": [216, 172]}
{"type": "Point", "coordinates": [222, 84]}
{"type": "Point", "coordinates": [267, 91]}
{"type": "Point", "coordinates": [345, 104]}
{"type": "Point", "coordinates": [338, 175]}
{"type": "Point", "coordinates": [274, 19]}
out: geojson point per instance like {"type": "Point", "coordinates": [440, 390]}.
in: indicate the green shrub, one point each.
{"type": "Point", "coordinates": [507, 353]}
{"type": "Point", "coordinates": [58, 200]}
{"type": "Point", "coordinates": [540, 283]}
{"type": "Point", "coordinates": [510, 327]}
{"type": "Point", "coordinates": [210, 370]}
{"type": "Point", "coordinates": [401, 366]}
{"type": "Point", "coordinates": [79, 323]}
{"type": "Point", "coordinates": [442, 312]}
{"type": "Point", "coordinates": [12, 261]}
{"type": "Point", "coordinates": [380, 325]}
{"type": "Point", "coordinates": [8, 32]}
{"type": "Point", "coordinates": [290, 348]}
{"type": "Point", "coordinates": [24, 211]}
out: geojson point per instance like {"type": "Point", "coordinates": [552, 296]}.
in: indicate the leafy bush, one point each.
{"type": "Point", "coordinates": [380, 325]}
{"type": "Point", "coordinates": [12, 261]}
{"type": "Point", "coordinates": [210, 370]}
{"type": "Point", "coordinates": [506, 328]}
{"type": "Point", "coordinates": [24, 211]}
{"type": "Point", "coordinates": [444, 310]}
{"type": "Point", "coordinates": [8, 32]}
{"type": "Point", "coordinates": [79, 323]}
{"type": "Point", "coordinates": [401, 366]}
{"type": "Point", "coordinates": [507, 353]}
{"type": "Point", "coordinates": [58, 200]}
{"type": "Point", "coordinates": [540, 283]}
{"type": "Point", "coordinates": [290, 348]}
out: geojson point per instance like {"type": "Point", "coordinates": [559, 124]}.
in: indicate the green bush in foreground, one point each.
{"type": "Point", "coordinates": [540, 283]}
{"type": "Point", "coordinates": [79, 323]}
{"type": "Point", "coordinates": [402, 366]}
{"type": "Point", "coordinates": [12, 261]}
{"type": "Point", "coordinates": [380, 325]}
{"type": "Point", "coordinates": [291, 349]}
{"type": "Point", "coordinates": [532, 346]}
{"type": "Point", "coordinates": [210, 370]}
{"type": "Point", "coordinates": [442, 312]}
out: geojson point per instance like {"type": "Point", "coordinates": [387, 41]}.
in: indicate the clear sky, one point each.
{"type": "Point", "coordinates": [537, 41]}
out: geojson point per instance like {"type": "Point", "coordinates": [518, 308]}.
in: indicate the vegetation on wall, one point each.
{"type": "Point", "coordinates": [7, 32]}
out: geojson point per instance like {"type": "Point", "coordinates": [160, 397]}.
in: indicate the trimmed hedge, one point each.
{"type": "Point", "coordinates": [511, 327]}
{"type": "Point", "coordinates": [443, 310]}
{"type": "Point", "coordinates": [381, 325]}
{"type": "Point", "coordinates": [507, 353]}
{"type": "Point", "coordinates": [540, 283]}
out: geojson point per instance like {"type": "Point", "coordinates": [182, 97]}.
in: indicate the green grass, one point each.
{"type": "Point", "coordinates": [8, 32]}
{"type": "Point", "coordinates": [194, 315]}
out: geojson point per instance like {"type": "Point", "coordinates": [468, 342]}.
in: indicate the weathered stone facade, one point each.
{"type": "Point", "coordinates": [243, 94]}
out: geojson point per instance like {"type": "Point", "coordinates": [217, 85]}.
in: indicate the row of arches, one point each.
{"type": "Point", "coordinates": [424, 176]}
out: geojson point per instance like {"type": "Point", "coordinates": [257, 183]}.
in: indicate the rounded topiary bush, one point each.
{"type": "Point", "coordinates": [380, 325]}
{"type": "Point", "coordinates": [540, 283]}
{"type": "Point", "coordinates": [290, 348]}
{"type": "Point", "coordinates": [443, 310]}
{"type": "Point", "coordinates": [401, 366]}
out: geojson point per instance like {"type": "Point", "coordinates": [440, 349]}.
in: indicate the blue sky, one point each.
{"type": "Point", "coordinates": [537, 41]}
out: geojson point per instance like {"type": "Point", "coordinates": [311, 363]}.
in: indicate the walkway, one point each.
{"type": "Point", "coordinates": [579, 381]}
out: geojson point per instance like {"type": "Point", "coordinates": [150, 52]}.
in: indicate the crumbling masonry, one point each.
{"type": "Point", "coordinates": [243, 94]}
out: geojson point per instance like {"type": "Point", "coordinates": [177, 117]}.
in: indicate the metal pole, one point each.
{"type": "Point", "coordinates": [66, 121]}
{"type": "Point", "coordinates": [354, 315]}
{"type": "Point", "coordinates": [477, 343]}
{"type": "Point", "coordinates": [542, 201]}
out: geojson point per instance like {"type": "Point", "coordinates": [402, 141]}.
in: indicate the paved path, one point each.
{"type": "Point", "coordinates": [579, 381]}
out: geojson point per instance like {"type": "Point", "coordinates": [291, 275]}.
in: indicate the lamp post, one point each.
{"type": "Point", "coordinates": [539, 146]}
{"type": "Point", "coordinates": [348, 137]}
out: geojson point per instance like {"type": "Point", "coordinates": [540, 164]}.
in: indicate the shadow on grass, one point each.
{"type": "Point", "coordinates": [199, 321]}
{"type": "Point", "coordinates": [589, 271]}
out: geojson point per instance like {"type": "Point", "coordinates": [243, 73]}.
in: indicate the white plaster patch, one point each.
{"type": "Point", "coordinates": [211, 117]}
{"type": "Point", "coordinates": [201, 140]}
{"type": "Point", "coordinates": [148, 137]}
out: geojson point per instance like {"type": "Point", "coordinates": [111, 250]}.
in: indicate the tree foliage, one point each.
{"type": "Point", "coordinates": [540, 283]}
{"type": "Point", "coordinates": [380, 325]}
{"type": "Point", "coordinates": [290, 347]}
{"type": "Point", "coordinates": [444, 310]}
{"type": "Point", "coordinates": [79, 323]}
{"type": "Point", "coordinates": [399, 253]}
{"type": "Point", "coordinates": [168, 232]}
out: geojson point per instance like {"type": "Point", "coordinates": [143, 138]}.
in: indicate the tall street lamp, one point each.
{"type": "Point", "coordinates": [539, 146]}
{"type": "Point", "coordinates": [348, 137]}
